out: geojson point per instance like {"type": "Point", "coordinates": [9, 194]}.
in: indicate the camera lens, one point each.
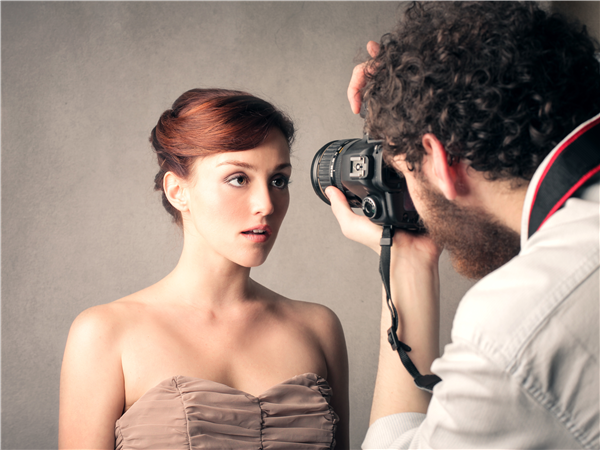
{"type": "Point", "coordinates": [324, 170]}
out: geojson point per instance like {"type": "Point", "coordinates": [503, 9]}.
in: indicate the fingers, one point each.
{"type": "Point", "coordinates": [357, 82]}
{"type": "Point", "coordinates": [354, 227]}
{"type": "Point", "coordinates": [409, 249]}
{"type": "Point", "coordinates": [358, 79]}
{"type": "Point", "coordinates": [373, 48]}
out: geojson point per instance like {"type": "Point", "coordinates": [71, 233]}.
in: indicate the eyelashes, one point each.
{"type": "Point", "coordinates": [280, 182]}
{"type": "Point", "coordinates": [239, 180]}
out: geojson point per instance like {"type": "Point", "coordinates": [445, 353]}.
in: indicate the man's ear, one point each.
{"type": "Point", "coordinates": [443, 175]}
{"type": "Point", "coordinates": [176, 191]}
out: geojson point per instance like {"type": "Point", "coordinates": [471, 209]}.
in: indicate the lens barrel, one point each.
{"type": "Point", "coordinates": [324, 168]}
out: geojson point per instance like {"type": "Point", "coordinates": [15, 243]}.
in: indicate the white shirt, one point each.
{"type": "Point", "coordinates": [522, 369]}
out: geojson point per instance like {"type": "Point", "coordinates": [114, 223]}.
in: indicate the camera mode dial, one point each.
{"type": "Point", "coordinates": [372, 208]}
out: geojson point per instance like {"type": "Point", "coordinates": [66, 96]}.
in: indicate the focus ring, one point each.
{"type": "Point", "coordinates": [325, 166]}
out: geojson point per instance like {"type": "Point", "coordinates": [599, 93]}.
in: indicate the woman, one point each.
{"type": "Point", "coordinates": [207, 357]}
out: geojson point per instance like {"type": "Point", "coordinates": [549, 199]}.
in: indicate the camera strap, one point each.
{"type": "Point", "coordinates": [568, 167]}
{"type": "Point", "coordinates": [424, 382]}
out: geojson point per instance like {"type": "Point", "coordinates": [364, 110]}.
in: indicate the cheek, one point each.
{"type": "Point", "coordinates": [281, 202]}
{"type": "Point", "coordinates": [229, 205]}
{"type": "Point", "coordinates": [216, 207]}
{"type": "Point", "coordinates": [412, 189]}
{"type": "Point", "coordinates": [416, 194]}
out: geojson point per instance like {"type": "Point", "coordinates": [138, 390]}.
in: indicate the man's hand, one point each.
{"type": "Point", "coordinates": [409, 248]}
{"type": "Point", "coordinates": [358, 81]}
{"type": "Point", "coordinates": [415, 292]}
{"type": "Point", "coordinates": [354, 227]}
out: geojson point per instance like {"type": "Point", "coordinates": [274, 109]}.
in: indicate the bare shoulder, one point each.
{"type": "Point", "coordinates": [99, 321]}
{"type": "Point", "coordinates": [312, 318]}
{"type": "Point", "coordinates": [103, 325]}
{"type": "Point", "coordinates": [324, 326]}
{"type": "Point", "coordinates": [320, 319]}
{"type": "Point", "coordinates": [91, 383]}
{"type": "Point", "coordinates": [93, 350]}
{"type": "Point", "coordinates": [313, 313]}
{"type": "Point", "coordinates": [296, 310]}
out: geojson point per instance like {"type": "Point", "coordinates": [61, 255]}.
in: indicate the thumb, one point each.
{"type": "Point", "coordinates": [339, 204]}
{"type": "Point", "coordinates": [354, 227]}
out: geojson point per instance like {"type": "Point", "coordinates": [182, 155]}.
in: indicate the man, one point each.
{"type": "Point", "coordinates": [470, 100]}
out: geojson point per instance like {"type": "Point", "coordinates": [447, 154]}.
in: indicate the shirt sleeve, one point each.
{"type": "Point", "coordinates": [477, 405]}
{"type": "Point", "coordinates": [395, 431]}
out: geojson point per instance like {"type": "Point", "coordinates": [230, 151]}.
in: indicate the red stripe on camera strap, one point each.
{"type": "Point", "coordinates": [572, 164]}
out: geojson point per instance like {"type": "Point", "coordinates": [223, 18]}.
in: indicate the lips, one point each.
{"type": "Point", "coordinates": [260, 233]}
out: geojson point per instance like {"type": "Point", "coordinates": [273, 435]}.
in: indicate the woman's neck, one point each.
{"type": "Point", "coordinates": [205, 278]}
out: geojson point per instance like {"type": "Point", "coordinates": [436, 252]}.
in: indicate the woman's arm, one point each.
{"type": "Point", "coordinates": [333, 343]}
{"type": "Point", "coordinates": [91, 382]}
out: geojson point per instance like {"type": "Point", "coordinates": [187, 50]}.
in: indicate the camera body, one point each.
{"type": "Point", "coordinates": [357, 168]}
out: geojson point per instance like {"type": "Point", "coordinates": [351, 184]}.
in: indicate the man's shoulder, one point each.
{"type": "Point", "coordinates": [503, 311]}
{"type": "Point", "coordinates": [536, 319]}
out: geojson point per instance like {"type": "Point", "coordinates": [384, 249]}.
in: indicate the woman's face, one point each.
{"type": "Point", "coordinates": [237, 200]}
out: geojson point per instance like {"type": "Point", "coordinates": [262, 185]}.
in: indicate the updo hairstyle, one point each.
{"type": "Point", "coordinates": [202, 122]}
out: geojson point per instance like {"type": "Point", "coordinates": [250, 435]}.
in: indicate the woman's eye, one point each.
{"type": "Point", "coordinates": [238, 181]}
{"type": "Point", "coordinates": [280, 182]}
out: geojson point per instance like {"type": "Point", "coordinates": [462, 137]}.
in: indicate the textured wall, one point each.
{"type": "Point", "coordinates": [83, 83]}
{"type": "Point", "coordinates": [587, 12]}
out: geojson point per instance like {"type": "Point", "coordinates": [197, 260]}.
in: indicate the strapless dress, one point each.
{"type": "Point", "coordinates": [191, 413]}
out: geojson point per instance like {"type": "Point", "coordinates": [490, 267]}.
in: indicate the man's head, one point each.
{"type": "Point", "coordinates": [498, 84]}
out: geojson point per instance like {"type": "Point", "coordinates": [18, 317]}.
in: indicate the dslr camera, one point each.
{"type": "Point", "coordinates": [356, 167]}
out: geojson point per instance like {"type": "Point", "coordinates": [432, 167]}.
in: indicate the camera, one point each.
{"type": "Point", "coordinates": [357, 168]}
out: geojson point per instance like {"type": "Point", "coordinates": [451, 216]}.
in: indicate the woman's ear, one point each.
{"type": "Point", "coordinates": [443, 175]}
{"type": "Point", "coordinates": [176, 191]}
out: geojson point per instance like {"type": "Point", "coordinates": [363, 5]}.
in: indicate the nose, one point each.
{"type": "Point", "coordinates": [262, 201]}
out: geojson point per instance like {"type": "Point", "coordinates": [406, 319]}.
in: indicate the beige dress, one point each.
{"type": "Point", "coordinates": [192, 413]}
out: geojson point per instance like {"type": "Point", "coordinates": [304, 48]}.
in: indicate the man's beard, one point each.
{"type": "Point", "coordinates": [478, 244]}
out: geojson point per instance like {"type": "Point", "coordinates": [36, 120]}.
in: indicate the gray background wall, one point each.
{"type": "Point", "coordinates": [83, 83]}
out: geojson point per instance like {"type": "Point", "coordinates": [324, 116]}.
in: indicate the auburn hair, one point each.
{"type": "Point", "coordinates": [208, 121]}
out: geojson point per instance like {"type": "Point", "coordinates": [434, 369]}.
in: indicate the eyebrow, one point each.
{"type": "Point", "coordinates": [250, 166]}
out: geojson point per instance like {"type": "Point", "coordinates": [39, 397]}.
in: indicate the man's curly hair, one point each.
{"type": "Point", "coordinates": [498, 83]}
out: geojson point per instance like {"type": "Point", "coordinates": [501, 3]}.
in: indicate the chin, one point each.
{"type": "Point", "coordinates": [255, 264]}
{"type": "Point", "coordinates": [252, 260]}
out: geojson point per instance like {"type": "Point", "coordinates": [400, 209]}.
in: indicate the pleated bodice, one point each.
{"type": "Point", "coordinates": [191, 413]}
